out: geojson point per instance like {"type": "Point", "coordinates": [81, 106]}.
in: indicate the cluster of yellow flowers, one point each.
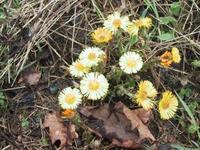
{"type": "Point", "coordinates": [145, 97]}
{"type": "Point", "coordinates": [94, 85]}
{"type": "Point", "coordinates": [115, 22]}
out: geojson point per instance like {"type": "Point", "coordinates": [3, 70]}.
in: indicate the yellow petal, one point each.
{"type": "Point", "coordinates": [176, 55]}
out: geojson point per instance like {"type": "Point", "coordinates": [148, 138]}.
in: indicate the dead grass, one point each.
{"type": "Point", "coordinates": [49, 35]}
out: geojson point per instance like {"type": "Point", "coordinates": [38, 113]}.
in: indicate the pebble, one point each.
{"type": "Point", "coordinates": [54, 88]}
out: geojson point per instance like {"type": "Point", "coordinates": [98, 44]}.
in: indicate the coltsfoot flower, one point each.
{"type": "Point", "coordinates": [101, 35]}
{"type": "Point", "coordinates": [92, 56]}
{"type": "Point", "coordinates": [132, 29]}
{"type": "Point", "coordinates": [69, 98]}
{"type": "Point", "coordinates": [68, 113]}
{"type": "Point", "coordinates": [167, 58]}
{"type": "Point", "coordinates": [168, 105]}
{"type": "Point", "coordinates": [78, 68]}
{"type": "Point", "coordinates": [131, 62]}
{"type": "Point", "coordinates": [115, 21]}
{"type": "Point", "coordinates": [146, 94]}
{"type": "Point", "coordinates": [143, 22]}
{"type": "Point", "coordinates": [176, 55]}
{"type": "Point", "coordinates": [94, 86]}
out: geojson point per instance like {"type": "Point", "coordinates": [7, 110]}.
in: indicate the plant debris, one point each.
{"type": "Point", "coordinates": [30, 77]}
{"type": "Point", "coordinates": [58, 131]}
{"type": "Point", "coordinates": [136, 50]}
{"type": "Point", "coordinates": [27, 100]}
{"type": "Point", "coordinates": [124, 127]}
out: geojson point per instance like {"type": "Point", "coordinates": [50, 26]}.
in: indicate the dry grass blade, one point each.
{"type": "Point", "coordinates": [38, 18]}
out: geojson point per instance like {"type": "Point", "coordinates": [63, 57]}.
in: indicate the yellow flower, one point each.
{"type": "Point", "coordinates": [138, 23]}
{"type": "Point", "coordinates": [147, 22]}
{"type": "Point", "coordinates": [115, 21]}
{"type": "Point", "coordinates": [91, 56]}
{"type": "Point", "coordinates": [78, 68]}
{"type": "Point", "coordinates": [143, 22]}
{"type": "Point", "coordinates": [130, 62]}
{"type": "Point", "coordinates": [94, 85]}
{"type": "Point", "coordinates": [68, 113]}
{"type": "Point", "coordinates": [166, 59]}
{"type": "Point", "coordinates": [132, 29]}
{"type": "Point", "coordinates": [101, 35]}
{"type": "Point", "coordinates": [176, 55]}
{"type": "Point", "coordinates": [168, 105]}
{"type": "Point", "coordinates": [69, 98]}
{"type": "Point", "coordinates": [145, 94]}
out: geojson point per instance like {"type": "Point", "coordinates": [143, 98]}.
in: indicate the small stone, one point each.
{"type": "Point", "coordinates": [54, 88]}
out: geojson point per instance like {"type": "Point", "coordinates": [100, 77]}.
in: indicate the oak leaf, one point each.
{"type": "Point", "coordinates": [124, 127]}
{"type": "Point", "coordinates": [58, 131]}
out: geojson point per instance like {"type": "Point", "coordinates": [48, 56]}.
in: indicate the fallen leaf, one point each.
{"type": "Point", "coordinates": [58, 132]}
{"type": "Point", "coordinates": [30, 77]}
{"type": "Point", "coordinates": [136, 121]}
{"type": "Point", "coordinates": [143, 114]}
{"type": "Point", "coordinates": [124, 127]}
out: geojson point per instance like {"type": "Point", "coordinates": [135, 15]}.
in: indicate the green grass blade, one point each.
{"type": "Point", "coordinates": [179, 147]}
{"type": "Point", "coordinates": [152, 5]}
{"type": "Point", "coordinates": [99, 13]}
{"type": "Point", "coordinates": [188, 112]}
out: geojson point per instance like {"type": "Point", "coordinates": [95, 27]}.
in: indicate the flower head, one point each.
{"type": "Point", "coordinates": [94, 86]}
{"type": "Point", "coordinates": [176, 55]}
{"type": "Point", "coordinates": [132, 29]}
{"type": "Point", "coordinates": [69, 98]}
{"type": "Point", "coordinates": [115, 21]}
{"type": "Point", "coordinates": [130, 62]}
{"type": "Point", "coordinates": [143, 22]}
{"type": "Point", "coordinates": [168, 105]}
{"type": "Point", "coordinates": [68, 113]}
{"type": "Point", "coordinates": [101, 35]}
{"type": "Point", "coordinates": [92, 56]}
{"type": "Point", "coordinates": [78, 68]}
{"type": "Point", "coordinates": [145, 94]}
{"type": "Point", "coordinates": [166, 59]}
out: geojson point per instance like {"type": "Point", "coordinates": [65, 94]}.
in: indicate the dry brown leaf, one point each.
{"type": "Point", "coordinates": [58, 132]}
{"type": "Point", "coordinates": [143, 114]}
{"type": "Point", "coordinates": [124, 127]}
{"type": "Point", "coordinates": [30, 77]}
{"type": "Point", "coordinates": [135, 117]}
